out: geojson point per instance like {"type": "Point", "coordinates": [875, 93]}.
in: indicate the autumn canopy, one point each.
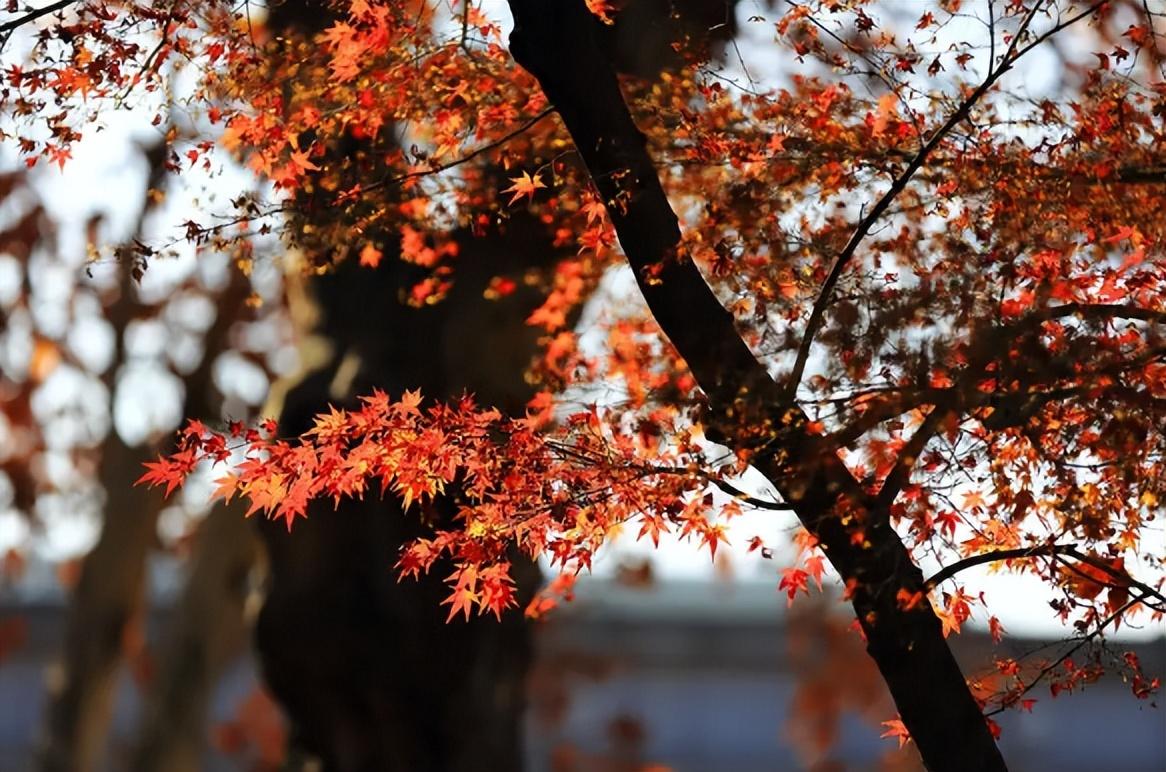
{"type": "Point", "coordinates": [919, 289]}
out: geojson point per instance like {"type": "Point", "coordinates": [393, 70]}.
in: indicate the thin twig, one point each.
{"type": "Point", "coordinates": [463, 159]}
{"type": "Point", "coordinates": [1036, 681]}
{"type": "Point", "coordinates": [1007, 61]}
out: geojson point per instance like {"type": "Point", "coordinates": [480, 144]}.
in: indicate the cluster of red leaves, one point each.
{"type": "Point", "coordinates": [1012, 683]}
{"type": "Point", "coordinates": [512, 487]}
{"type": "Point", "coordinates": [810, 563]}
{"type": "Point", "coordinates": [71, 73]}
{"type": "Point", "coordinates": [380, 62]}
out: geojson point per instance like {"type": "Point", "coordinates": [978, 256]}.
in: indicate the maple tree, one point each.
{"type": "Point", "coordinates": [925, 306]}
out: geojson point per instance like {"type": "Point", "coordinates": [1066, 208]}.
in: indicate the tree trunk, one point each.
{"type": "Point", "coordinates": [107, 595]}
{"type": "Point", "coordinates": [207, 629]}
{"type": "Point", "coordinates": [371, 675]}
{"type": "Point", "coordinates": [369, 672]}
{"type": "Point", "coordinates": [554, 40]}
{"type": "Point", "coordinates": [110, 589]}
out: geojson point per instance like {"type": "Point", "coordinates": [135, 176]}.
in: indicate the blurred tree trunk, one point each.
{"type": "Point", "coordinates": [207, 623]}
{"type": "Point", "coordinates": [110, 590]}
{"type": "Point", "coordinates": [369, 672]}
{"type": "Point", "coordinates": [107, 595]}
{"type": "Point", "coordinates": [206, 631]}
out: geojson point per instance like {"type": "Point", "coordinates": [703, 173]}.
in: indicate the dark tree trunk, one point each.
{"type": "Point", "coordinates": [367, 669]}
{"type": "Point", "coordinates": [206, 632]}
{"type": "Point", "coordinates": [369, 672]}
{"type": "Point", "coordinates": [554, 40]}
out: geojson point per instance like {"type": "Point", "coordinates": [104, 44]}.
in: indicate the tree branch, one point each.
{"type": "Point", "coordinates": [901, 473]}
{"type": "Point", "coordinates": [752, 501]}
{"type": "Point", "coordinates": [8, 27]}
{"type": "Point", "coordinates": [996, 556]}
{"type": "Point", "coordinates": [902, 401]}
{"type": "Point", "coordinates": [555, 41]}
{"type": "Point", "coordinates": [818, 312]}
{"type": "Point", "coordinates": [1053, 551]}
{"type": "Point", "coordinates": [1095, 633]}
{"type": "Point", "coordinates": [1121, 576]}
{"type": "Point", "coordinates": [521, 129]}
{"type": "Point", "coordinates": [1101, 310]}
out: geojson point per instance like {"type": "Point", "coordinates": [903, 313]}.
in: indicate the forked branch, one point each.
{"type": "Point", "coordinates": [996, 71]}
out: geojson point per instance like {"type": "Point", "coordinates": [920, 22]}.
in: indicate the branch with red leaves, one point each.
{"type": "Point", "coordinates": [1011, 56]}
{"type": "Point", "coordinates": [513, 486]}
{"type": "Point", "coordinates": [9, 26]}
{"type": "Point", "coordinates": [1102, 572]}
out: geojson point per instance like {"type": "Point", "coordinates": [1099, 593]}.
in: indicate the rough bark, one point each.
{"type": "Point", "coordinates": [555, 41]}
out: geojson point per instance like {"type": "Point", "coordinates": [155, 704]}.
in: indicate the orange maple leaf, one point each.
{"type": "Point", "coordinates": [225, 488]}
{"type": "Point", "coordinates": [603, 10]}
{"type": "Point", "coordinates": [973, 500]}
{"type": "Point", "coordinates": [950, 622]}
{"type": "Point", "coordinates": [524, 185]}
{"type": "Point", "coordinates": [792, 580]}
{"type": "Point", "coordinates": [370, 256]}
{"type": "Point", "coordinates": [815, 566]}
{"type": "Point", "coordinates": [540, 410]}
{"type": "Point", "coordinates": [594, 209]}
{"type": "Point", "coordinates": [464, 595]}
{"type": "Point", "coordinates": [886, 113]}
{"type": "Point", "coordinates": [896, 729]}
{"type": "Point", "coordinates": [302, 163]}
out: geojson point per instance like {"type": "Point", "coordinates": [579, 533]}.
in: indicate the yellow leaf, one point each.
{"type": "Point", "coordinates": [524, 185]}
